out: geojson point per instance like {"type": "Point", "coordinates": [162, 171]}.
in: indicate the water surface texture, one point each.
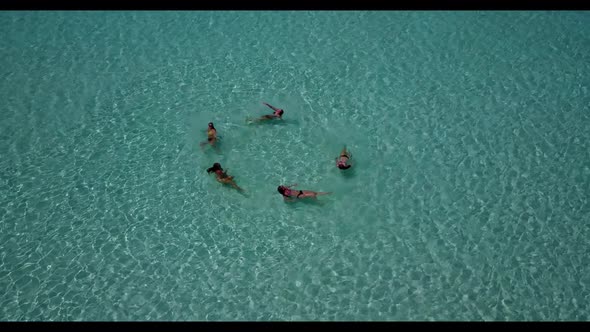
{"type": "Point", "coordinates": [468, 199]}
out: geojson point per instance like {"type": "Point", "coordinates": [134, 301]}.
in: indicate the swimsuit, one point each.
{"type": "Point", "coordinates": [222, 175]}
{"type": "Point", "coordinates": [288, 195]}
{"type": "Point", "coordinates": [211, 134]}
{"type": "Point", "coordinates": [342, 164]}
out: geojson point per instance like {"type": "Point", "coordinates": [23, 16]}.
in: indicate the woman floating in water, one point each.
{"type": "Point", "coordinates": [277, 114]}
{"type": "Point", "coordinates": [290, 195]}
{"type": "Point", "coordinates": [211, 135]}
{"type": "Point", "coordinates": [222, 176]}
{"type": "Point", "coordinates": [342, 162]}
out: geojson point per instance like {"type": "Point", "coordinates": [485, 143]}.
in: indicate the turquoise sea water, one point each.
{"type": "Point", "coordinates": [468, 200]}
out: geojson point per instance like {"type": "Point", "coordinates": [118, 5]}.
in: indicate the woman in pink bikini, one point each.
{"type": "Point", "coordinates": [290, 194]}
{"type": "Point", "coordinates": [277, 114]}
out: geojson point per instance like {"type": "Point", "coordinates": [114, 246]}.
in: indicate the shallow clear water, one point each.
{"type": "Point", "coordinates": [468, 200]}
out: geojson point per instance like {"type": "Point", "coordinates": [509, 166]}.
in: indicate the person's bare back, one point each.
{"type": "Point", "coordinates": [290, 194]}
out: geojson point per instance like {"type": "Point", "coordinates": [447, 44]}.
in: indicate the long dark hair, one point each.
{"type": "Point", "coordinates": [281, 190]}
{"type": "Point", "coordinates": [214, 168]}
{"type": "Point", "coordinates": [210, 124]}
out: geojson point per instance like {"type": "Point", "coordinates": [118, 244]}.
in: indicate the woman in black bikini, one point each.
{"type": "Point", "coordinates": [211, 135]}
{"type": "Point", "coordinates": [342, 162]}
{"type": "Point", "coordinates": [222, 176]}
{"type": "Point", "coordinates": [290, 195]}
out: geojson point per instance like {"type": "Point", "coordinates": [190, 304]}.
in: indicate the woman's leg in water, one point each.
{"type": "Point", "coordinates": [231, 182]}
{"type": "Point", "coordinates": [264, 118]}
{"type": "Point", "coordinates": [345, 153]}
{"type": "Point", "coordinates": [309, 193]}
{"type": "Point", "coordinates": [236, 186]}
